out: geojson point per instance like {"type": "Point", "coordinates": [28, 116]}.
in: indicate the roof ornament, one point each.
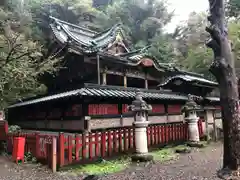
{"type": "Point", "coordinates": [59, 27]}
{"type": "Point", "coordinates": [190, 104]}
{"type": "Point", "coordinates": [93, 43]}
{"type": "Point", "coordinates": [139, 104]}
{"type": "Point", "coordinates": [118, 37]}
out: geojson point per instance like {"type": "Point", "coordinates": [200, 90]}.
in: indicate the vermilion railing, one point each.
{"type": "Point", "coordinates": [73, 148]}
{"type": "Point", "coordinates": [92, 146]}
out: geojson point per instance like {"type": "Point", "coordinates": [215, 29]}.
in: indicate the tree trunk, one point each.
{"type": "Point", "coordinates": [224, 71]}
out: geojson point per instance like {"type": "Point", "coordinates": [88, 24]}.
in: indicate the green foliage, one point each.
{"type": "Point", "coordinates": [193, 54]}
{"type": "Point", "coordinates": [234, 35]}
{"type": "Point", "coordinates": [21, 57]}
{"type": "Point", "coordinates": [24, 37]}
{"type": "Point", "coordinates": [113, 166]}
{"type": "Point", "coordinates": [14, 129]}
{"type": "Point", "coordinates": [143, 23]}
{"type": "Point", "coordinates": [233, 8]}
{"type": "Point", "coordinates": [104, 167]}
{"type": "Point", "coordinates": [78, 12]}
{"type": "Point", "coordinates": [164, 154]}
{"type": "Point", "coordinates": [28, 157]}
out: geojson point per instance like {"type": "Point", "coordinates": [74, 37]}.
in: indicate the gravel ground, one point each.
{"type": "Point", "coordinates": [198, 165]}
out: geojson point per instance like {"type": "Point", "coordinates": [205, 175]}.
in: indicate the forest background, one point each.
{"type": "Point", "coordinates": [24, 37]}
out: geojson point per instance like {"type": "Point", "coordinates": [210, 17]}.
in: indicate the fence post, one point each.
{"type": "Point", "coordinates": [37, 145]}
{"type": "Point", "coordinates": [61, 149]}
{"type": "Point", "coordinates": [54, 154]}
{"type": "Point", "coordinates": [103, 143]}
{"type": "Point", "coordinates": [6, 127]}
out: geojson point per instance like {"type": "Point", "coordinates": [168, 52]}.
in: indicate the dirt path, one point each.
{"type": "Point", "coordinates": [198, 165]}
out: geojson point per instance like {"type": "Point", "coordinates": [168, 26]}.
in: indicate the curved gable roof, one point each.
{"type": "Point", "coordinates": [83, 39]}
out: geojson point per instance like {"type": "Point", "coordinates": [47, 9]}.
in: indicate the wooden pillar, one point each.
{"type": "Point", "coordinates": [125, 81]}
{"type": "Point", "coordinates": [87, 125]}
{"type": "Point", "coordinates": [104, 77]}
{"type": "Point", "coordinates": [146, 84]}
{"type": "Point", "coordinates": [54, 154]}
{"type": "Point", "coordinates": [98, 70]}
{"type": "Point", "coordinates": [146, 81]}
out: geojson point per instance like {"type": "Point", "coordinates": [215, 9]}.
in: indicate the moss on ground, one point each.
{"type": "Point", "coordinates": [117, 165]}
{"type": "Point", "coordinates": [104, 167]}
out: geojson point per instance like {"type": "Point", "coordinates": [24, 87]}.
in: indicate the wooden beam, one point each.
{"type": "Point", "coordinates": [138, 75]}
{"type": "Point", "coordinates": [125, 81]}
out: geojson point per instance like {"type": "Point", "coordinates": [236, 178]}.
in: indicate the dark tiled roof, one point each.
{"type": "Point", "coordinates": [189, 79]}
{"type": "Point", "coordinates": [81, 38]}
{"type": "Point", "coordinates": [108, 92]}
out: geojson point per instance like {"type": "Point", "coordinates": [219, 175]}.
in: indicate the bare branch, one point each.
{"type": "Point", "coordinates": [22, 55]}
{"type": "Point", "coordinates": [11, 52]}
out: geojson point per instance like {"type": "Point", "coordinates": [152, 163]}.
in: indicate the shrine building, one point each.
{"type": "Point", "coordinates": [99, 80]}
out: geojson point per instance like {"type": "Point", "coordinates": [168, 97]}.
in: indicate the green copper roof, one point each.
{"type": "Point", "coordinates": [80, 38]}
{"type": "Point", "coordinates": [189, 78]}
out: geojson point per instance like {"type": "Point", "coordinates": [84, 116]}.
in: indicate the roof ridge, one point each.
{"type": "Point", "coordinates": [136, 51]}
{"type": "Point", "coordinates": [90, 85]}
{"type": "Point", "coordinates": [108, 29]}
{"type": "Point", "coordinates": [74, 25]}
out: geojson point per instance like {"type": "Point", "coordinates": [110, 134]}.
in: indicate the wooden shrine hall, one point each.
{"type": "Point", "coordinates": [100, 78]}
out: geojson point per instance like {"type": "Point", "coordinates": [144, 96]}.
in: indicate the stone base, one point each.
{"type": "Point", "coordinates": [228, 174]}
{"type": "Point", "coordinates": [195, 144]}
{"type": "Point", "coordinates": [183, 151]}
{"type": "Point", "coordinates": [142, 157]}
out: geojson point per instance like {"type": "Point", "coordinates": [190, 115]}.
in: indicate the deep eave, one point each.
{"type": "Point", "coordinates": [199, 81]}
{"type": "Point", "coordinates": [92, 90]}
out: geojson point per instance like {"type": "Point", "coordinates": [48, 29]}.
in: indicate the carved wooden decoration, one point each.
{"type": "Point", "coordinates": [147, 62]}
{"type": "Point", "coordinates": [117, 47]}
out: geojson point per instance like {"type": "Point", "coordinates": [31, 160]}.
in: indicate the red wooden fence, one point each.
{"type": "Point", "coordinates": [92, 146]}
{"type": "Point", "coordinates": [37, 144]}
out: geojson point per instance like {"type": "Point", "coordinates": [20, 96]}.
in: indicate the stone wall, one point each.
{"type": "Point", "coordinates": [104, 123]}
{"type": "Point", "coordinates": [127, 121]}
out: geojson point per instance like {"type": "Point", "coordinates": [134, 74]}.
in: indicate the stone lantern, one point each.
{"type": "Point", "coordinates": [140, 109]}
{"type": "Point", "coordinates": [190, 109]}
